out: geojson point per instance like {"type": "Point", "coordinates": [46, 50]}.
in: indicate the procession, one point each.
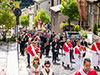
{"type": "Point", "coordinates": [49, 37]}
{"type": "Point", "coordinates": [42, 43]}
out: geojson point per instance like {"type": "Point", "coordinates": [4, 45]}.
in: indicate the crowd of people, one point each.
{"type": "Point", "coordinates": [38, 43]}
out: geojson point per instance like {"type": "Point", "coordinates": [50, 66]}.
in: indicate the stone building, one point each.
{"type": "Point", "coordinates": [93, 12]}
{"type": "Point", "coordinates": [52, 7]}
{"type": "Point", "coordinates": [30, 11]}
{"type": "Point", "coordinates": [56, 18]}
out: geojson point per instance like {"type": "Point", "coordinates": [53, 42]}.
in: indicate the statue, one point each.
{"type": "Point", "coordinates": [82, 9]}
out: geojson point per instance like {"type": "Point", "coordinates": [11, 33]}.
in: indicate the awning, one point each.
{"type": "Point", "coordinates": [39, 1]}
{"type": "Point", "coordinates": [56, 8]}
{"type": "Point", "coordinates": [93, 1]}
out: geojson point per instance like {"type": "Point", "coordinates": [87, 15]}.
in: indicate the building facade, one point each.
{"type": "Point", "coordinates": [93, 12]}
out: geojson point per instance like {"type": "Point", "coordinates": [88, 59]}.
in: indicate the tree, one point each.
{"type": "Point", "coordinates": [70, 9]}
{"type": "Point", "coordinates": [95, 29]}
{"type": "Point", "coordinates": [43, 16]}
{"type": "Point", "coordinates": [24, 20]}
{"type": "Point", "coordinates": [7, 17]}
{"type": "Point", "coordinates": [77, 28]}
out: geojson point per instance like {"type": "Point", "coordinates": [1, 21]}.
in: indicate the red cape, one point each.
{"type": "Point", "coordinates": [91, 72]}
{"type": "Point", "coordinates": [65, 48]}
{"type": "Point", "coordinates": [93, 46]}
{"type": "Point", "coordinates": [77, 51]}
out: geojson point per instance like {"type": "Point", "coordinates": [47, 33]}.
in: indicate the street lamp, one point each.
{"type": "Point", "coordinates": [17, 13]}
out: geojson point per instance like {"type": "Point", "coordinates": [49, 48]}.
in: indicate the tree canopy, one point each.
{"type": "Point", "coordinates": [70, 8]}
{"type": "Point", "coordinates": [43, 16]}
{"type": "Point", "coordinates": [24, 20]}
{"type": "Point", "coordinates": [7, 17]}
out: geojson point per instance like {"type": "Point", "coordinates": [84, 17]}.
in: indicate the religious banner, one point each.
{"type": "Point", "coordinates": [39, 24]}
{"type": "Point", "coordinates": [82, 9]}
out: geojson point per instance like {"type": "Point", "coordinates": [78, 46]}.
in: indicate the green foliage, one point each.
{"type": "Point", "coordinates": [84, 33]}
{"type": "Point", "coordinates": [95, 29]}
{"type": "Point", "coordinates": [99, 34]}
{"type": "Point", "coordinates": [63, 25]}
{"type": "Point", "coordinates": [24, 20]}
{"type": "Point", "coordinates": [69, 8]}
{"type": "Point", "coordinates": [7, 17]}
{"type": "Point", "coordinates": [77, 28]}
{"type": "Point", "coordinates": [43, 16]}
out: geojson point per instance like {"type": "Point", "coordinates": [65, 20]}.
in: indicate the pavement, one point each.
{"type": "Point", "coordinates": [9, 59]}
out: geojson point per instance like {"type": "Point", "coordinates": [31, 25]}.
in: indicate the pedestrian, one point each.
{"type": "Point", "coordinates": [86, 70]}
{"type": "Point", "coordinates": [22, 45]}
{"type": "Point", "coordinates": [47, 70]}
{"type": "Point", "coordinates": [27, 53]}
{"type": "Point", "coordinates": [35, 68]}
{"type": "Point", "coordinates": [53, 35]}
{"type": "Point", "coordinates": [78, 54]}
{"type": "Point", "coordinates": [55, 52]}
{"type": "Point", "coordinates": [96, 53]}
{"type": "Point", "coordinates": [47, 45]}
{"type": "Point", "coordinates": [39, 54]}
{"type": "Point", "coordinates": [42, 43]}
{"type": "Point", "coordinates": [84, 43]}
{"type": "Point", "coordinates": [62, 40]}
{"type": "Point", "coordinates": [67, 47]}
{"type": "Point", "coordinates": [73, 42]}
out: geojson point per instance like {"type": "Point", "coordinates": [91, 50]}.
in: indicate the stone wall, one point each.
{"type": "Point", "coordinates": [57, 19]}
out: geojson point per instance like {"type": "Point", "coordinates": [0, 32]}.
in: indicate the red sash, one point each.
{"type": "Point", "coordinates": [67, 47]}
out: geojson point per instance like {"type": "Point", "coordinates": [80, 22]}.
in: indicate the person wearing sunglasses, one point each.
{"type": "Point", "coordinates": [35, 69]}
{"type": "Point", "coordinates": [86, 70]}
{"type": "Point", "coordinates": [47, 70]}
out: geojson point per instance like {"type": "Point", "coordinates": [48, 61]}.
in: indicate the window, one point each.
{"type": "Point", "coordinates": [36, 7]}
{"type": "Point", "coordinates": [60, 1]}
{"type": "Point", "coordinates": [54, 21]}
{"type": "Point", "coordinates": [52, 2]}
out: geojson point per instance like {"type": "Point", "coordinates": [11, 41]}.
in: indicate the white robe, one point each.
{"type": "Point", "coordinates": [66, 58]}
{"type": "Point", "coordinates": [78, 62]}
{"type": "Point", "coordinates": [94, 58]}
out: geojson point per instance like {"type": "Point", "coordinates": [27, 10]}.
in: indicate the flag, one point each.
{"type": "Point", "coordinates": [28, 34]}
{"type": "Point", "coordinates": [82, 9]}
{"type": "Point", "coordinates": [33, 51]}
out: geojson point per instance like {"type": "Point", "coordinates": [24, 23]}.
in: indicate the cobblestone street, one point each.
{"type": "Point", "coordinates": [58, 69]}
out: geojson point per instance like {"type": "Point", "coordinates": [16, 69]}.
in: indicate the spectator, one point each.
{"type": "Point", "coordinates": [47, 70]}
{"type": "Point", "coordinates": [27, 53]}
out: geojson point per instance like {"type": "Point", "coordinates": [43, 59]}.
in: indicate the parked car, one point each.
{"type": "Point", "coordinates": [70, 34]}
